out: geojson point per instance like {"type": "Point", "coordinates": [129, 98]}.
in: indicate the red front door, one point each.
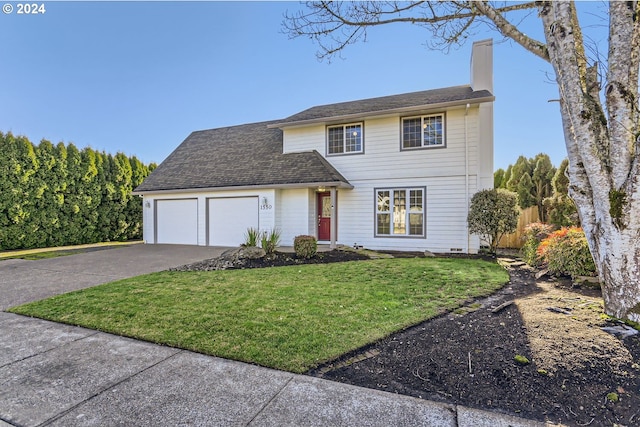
{"type": "Point", "coordinates": [324, 216]}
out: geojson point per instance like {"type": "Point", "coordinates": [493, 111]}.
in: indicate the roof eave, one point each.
{"type": "Point", "coordinates": [380, 113]}
{"type": "Point", "coordinates": [327, 184]}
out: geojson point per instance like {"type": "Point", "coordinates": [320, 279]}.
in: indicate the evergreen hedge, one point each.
{"type": "Point", "coordinates": [56, 195]}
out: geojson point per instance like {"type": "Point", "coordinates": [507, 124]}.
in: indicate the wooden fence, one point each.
{"type": "Point", "coordinates": [514, 240]}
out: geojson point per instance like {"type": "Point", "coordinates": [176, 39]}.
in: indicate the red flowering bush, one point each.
{"type": "Point", "coordinates": [534, 233]}
{"type": "Point", "coordinates": [566, 251]}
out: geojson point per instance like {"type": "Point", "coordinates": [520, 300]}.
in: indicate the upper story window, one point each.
{"type": "Point", "coordinates": [345, 139]}
{"type": "Point", "coordinates": [423, 131]}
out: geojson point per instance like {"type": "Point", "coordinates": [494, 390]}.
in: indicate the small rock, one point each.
{"type": "Point", "coordinates": [248, 252]}
{"type": "Point", "coordinates": [542, 273]}
{"type": "Point", "coordinates": [559, 310]}
{"type": "Point", "coordinates": [621, 331]}
{"type": "Point", "coordinates": [518, 263]}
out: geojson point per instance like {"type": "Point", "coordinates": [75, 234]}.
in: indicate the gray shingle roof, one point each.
{"type": "Point", "coordinates": [389, 104]}
{"type": "Point", "coordinates": [238, 156]}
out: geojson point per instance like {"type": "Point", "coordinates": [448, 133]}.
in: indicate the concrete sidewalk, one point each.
{"type": "Point", "coordinates": [59, 375]}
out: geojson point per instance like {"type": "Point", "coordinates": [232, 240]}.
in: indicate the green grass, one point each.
{"type": "Point", "coordinates": [44, 253]}
{"type": "Point", "coordinates": [289, 318]}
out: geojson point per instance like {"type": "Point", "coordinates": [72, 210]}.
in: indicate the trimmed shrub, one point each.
{"type": "Point", "coordinates": [305, 246]}
{"type": "Point", "coordinates": [534, 233]}
{"type": "Point", "coordinates": [493, 214]}
{"type": "Point", "coordinates": [270, 240]}
{"type": "Point", "coordinates": [566, 251]}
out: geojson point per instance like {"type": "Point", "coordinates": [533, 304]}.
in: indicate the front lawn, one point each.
{"type": "Point", "coordinates": [289, 318]}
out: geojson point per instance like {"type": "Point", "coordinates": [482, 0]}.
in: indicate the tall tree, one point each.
{"type": "Point", "coordinates": [46, 218]}
{"type": "Point", "coordinates": [498, 178]}
{"type": "Point", "coordinates": [601, 128]}
{"type": "Point", "coordinates": [18, 187]}
{"type": "Point", "coordinates": [560, 208]}
{"type": "Point", "coordinates": [522, 170]}
{"type": "Point", "coordinates": [524, 190]}
{"type": "Point", "coordinates": [543, 173]}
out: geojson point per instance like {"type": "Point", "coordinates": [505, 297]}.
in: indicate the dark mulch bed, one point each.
{"type": "Point", "coordinates": [277, 259]}
{"type": "Point", "coordinates": [280, 259]}
{"type": "Point", "coordinates": [467, 358]}
{"type": "Point", "coordinates": [431, 361]}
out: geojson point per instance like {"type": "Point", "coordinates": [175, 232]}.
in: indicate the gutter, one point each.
{"type": "Point", "coordinates": [328, 184]}
{"type": "Point", "coordinates": [466, 173]}
{"type": "Point", "coordinates": [380, 113]}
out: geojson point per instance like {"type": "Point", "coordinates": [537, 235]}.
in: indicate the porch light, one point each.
{"type": "Point", "coordinates": [321, 189]}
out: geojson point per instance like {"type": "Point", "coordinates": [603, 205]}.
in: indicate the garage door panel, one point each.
{"type": "Point", "coordinates": [229, 219]}
{"type": "Point", "coordinates": [177, 221]}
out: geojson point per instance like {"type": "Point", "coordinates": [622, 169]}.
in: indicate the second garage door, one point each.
{"type": "Point", "coordinates": [229, 219]}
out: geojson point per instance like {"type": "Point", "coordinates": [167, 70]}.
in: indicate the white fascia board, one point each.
{"type": "Point", "coordinates": [340, 184]}
{"type": "Point", "coordinates": [383, 113]}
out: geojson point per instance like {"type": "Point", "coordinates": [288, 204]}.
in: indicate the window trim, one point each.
{"type": "Point", "coordinates": [344, 139]}
{"type": "Point", "coordinates": [423, 146]}
{"type": "Point", "coordinates": [406, 235]}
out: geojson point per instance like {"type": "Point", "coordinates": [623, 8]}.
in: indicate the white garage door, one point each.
{"type": "Point", "coordinates": [229, 219]}
{"type": "Point", "coordinates": [177, 221]}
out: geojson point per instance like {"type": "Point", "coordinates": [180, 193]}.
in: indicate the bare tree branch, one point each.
{"type": "Point", "coordinates": [335, 25]}
{"type": "Point", "coordinates": [511, 31]}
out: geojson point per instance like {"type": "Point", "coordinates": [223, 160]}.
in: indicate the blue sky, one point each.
{"type": "Point", "coordinates": [138, 77]}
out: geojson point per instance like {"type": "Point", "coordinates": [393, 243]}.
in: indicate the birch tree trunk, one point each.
{"type": "Point", "coordinates": [602, 145]}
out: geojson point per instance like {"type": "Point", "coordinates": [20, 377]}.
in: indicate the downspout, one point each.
{"type": "Point", "coordinates": [466, 175]}
{"type": "Point", "coordinates": [334, 219]}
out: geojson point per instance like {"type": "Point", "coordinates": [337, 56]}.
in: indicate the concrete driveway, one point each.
{"type": "Point", "coordinates": [24, 281]}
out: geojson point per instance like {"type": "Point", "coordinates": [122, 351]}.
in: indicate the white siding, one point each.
{"type": "Point", "coordinates": [293, 214]}
{"type": "Point", "coordinates": [383, 158]}
{"type": "Point", "coordinates": [148, 215]}
{"type": "Point", "coordinates": [446, 216]}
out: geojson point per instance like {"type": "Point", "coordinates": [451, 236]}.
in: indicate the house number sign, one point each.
{"type": "Point", "coordinates": [265, 206]}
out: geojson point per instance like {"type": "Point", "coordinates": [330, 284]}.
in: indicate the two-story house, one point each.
{"type": "Point", "coordinates": [395, 172]}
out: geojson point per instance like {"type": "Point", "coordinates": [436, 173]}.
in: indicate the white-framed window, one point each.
{"type": "Point", "coordinates": [423, 131]}
{"type": "Point", "coordinates": [345, 139]}
{"type": "Point", "coordinates": [400, 212]}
